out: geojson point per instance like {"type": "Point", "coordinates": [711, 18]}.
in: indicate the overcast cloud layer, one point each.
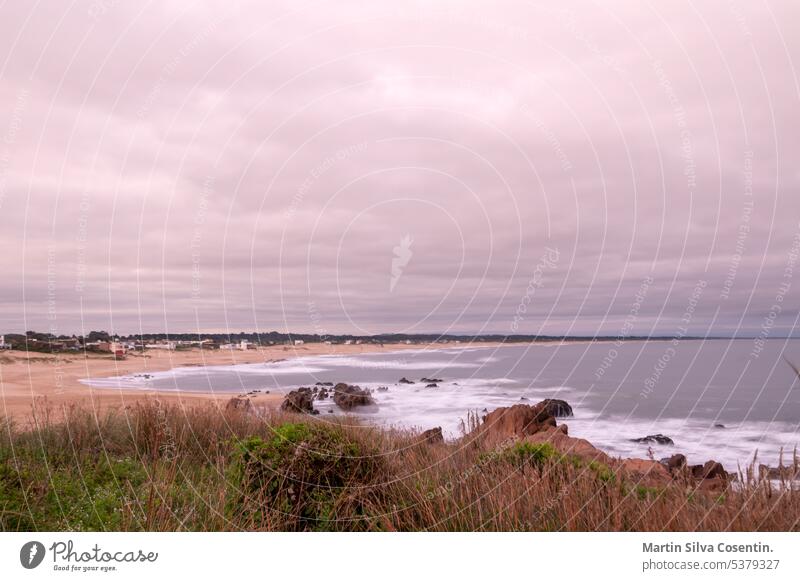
{"type": "Point", "coordinates": [530, 167]}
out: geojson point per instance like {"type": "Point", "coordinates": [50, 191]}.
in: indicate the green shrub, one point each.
{"type": "Point", "coordinates": [310, 476]}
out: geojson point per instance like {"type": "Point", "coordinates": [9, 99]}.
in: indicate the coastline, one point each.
{"type": "Point", "coordinates": [32, 383]}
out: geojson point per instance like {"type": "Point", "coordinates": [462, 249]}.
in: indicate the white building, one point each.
{"type": "Point", "coordinates": [167, 345]}
{"type": "Point", "coordinates": [298, 341]}
{"type": "Point", "coordinates": [3, 344]}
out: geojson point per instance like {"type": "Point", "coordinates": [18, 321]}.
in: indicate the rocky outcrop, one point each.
{"type": "Point", "coordinates": [299, 401]}
{"type": "Point", "coordinates": [432, 436]}
{"type": "Point", "coordinates": [430, 380]}
{"type": "Point", "coordinates": [710, 469]}
{"type": "Point", "coordinates": [239, 404]}
{"type": "Point", "coordinates": [675, 463]}
{"type": "Point", "coordinates": [348, 397]}
{"type": "Point", "coordinates": [660, 439]}
{"type": "Point", "coordinates": [516, 421]}
{"type": "Point", "coordinates": [779, 473]}
{"type": "Point", "coordinates": [432, 386]}
{"type": "Point", "coordinates": [557, 408]}
{"type": "Point", "coordinates": [404, 380]}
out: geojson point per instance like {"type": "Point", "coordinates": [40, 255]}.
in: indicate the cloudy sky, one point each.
{"type": "Point", "coordinates": [529, 167]}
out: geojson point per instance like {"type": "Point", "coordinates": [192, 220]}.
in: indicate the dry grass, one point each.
{"type": "Point", "coordinates": [160, 468]}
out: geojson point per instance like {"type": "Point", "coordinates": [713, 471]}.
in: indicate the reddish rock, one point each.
{"type": "Point", "coordinates": [239, 404]}
{"type": "Point", "coordinates": [432, 436]}
{"type": "Point", "coordinates": [519, 420]}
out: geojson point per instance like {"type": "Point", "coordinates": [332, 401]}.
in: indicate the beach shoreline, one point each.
{"type": "Point", "coordinates": [31, 382]}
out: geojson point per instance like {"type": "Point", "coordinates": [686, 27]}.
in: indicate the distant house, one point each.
{"type": "Point", "coordinates": [3, 344]}
{"type": "Point", "coordinates": [298, 341]}
{"type": "Point", "coordinates": [166, 345]}
{"type": "Point", "coordinates": [114, 347]}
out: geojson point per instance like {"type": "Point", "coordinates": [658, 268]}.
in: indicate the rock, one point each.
{"type": "Point", "coordinates": [432, 436]}
{"type": "Point", "coordinates": [404, 380]}
{"type": "Point", "coordinates": [655, 439]}
{"type": "Point", "coordinates": [323, 394]}
{"type": "Point", "coordinates": [324, 384]}
{"type": "Point", "coordinates": [239, 404]}
{"type": "Point", "coordinates": [349, 396]}
{"type": "Point", "coordinates": [299, 401]}
{"type": "Point", "coordinates": [430, 380]}
{"type": "Point", "coordinates": [383, 388]}
{"type": "Point", "coordinates": [779, 473]}
{"type": "Point", "coordinates": [645, 472]}
{"type": "Point", "coordinates": [710, 469]}
{"type": "Point", "coordinates": [516, 421]}
{"type": "Point", "coordinates": [675, 463]}
{"type": "Point", "coordinates": [719, 426]}
{"type": "Point", "coordinates": [431, 386]}
{"type": "Point", "coordinates": [557, 408]}
{"type": "Point", "coordinates": [569, 445]}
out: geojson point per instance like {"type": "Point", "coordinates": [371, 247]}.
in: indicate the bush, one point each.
{"type": "Point", "coordinates": [311, 476]}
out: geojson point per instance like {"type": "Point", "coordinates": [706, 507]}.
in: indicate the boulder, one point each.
{"type": "Point", "coordinates": [239, 404]}
{"type": "Point", "coordinates": [430, 380]}
{"type": "Point", "coordinates": [431, 386]}
{"type": "Point", "coordinates": [299, 401]}
{"type": "Point", "coordinates": [349, 396]}
{"type": "Point", "coordinates": [675, 463]}
{"type": "Point", "coordinates": [655, 439]}
{"type": "Point", "coordinates": [565, 444]}
{"type": "Point", "coordinates": [557, 408]}
{"type": "Point", "coordinates": [710, 469]}
{"type": "Point", "coordinates": [516, 421]}
{"type": "Point", "coordinates": [324, 384]}
{"type": "Point", "coordinates": [432, 436]}
{"type": "Point", "coordinates": [779, 473]}
{"type": "Point", "coordinates": [404, 380]}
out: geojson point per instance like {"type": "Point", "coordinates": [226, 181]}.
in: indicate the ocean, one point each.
{"type": "Point", "coordinates": [717, 399]}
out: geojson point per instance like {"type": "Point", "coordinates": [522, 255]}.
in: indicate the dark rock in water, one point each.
{"type": "Point", "coordinates": [383, 388]}
{"type": "Point", "coordinates": [239, 404]}
{"type": "Point", "coordinates": [719, 426]}
{"type": "Point", "coordinates": [299, 401]}
{"type": "Point", "coordinates": [330, 411]}
{"type": "Point", "coordinates": [655, 439]}
{"type": "Point", "coordinates": [675, 463]}
{"type": "Point", "coordinates": [430, 380]}
{"type": "Point", "coordinates": [557, 408]}
{"type": "Point", "coordinates": [349, 396]}
{"type": "Point", "coordinates": [323, 394]}
{"type": "Point", "coordinates": [523, 398]}
{"type": "Point", "coordinates": [324, 383]}
{"type": "Point", "coordinates": [431, 385]}
{"type": "Point", "coordinates": [432, 436]}
{"type": "Point", "coordinates": [404, 380]}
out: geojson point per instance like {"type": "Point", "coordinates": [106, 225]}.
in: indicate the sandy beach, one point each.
{"type": "Point", "coordinates": [34, 382]}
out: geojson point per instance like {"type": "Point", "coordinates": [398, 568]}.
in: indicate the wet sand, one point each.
{"type": "Point", "coordinates": [32, 383]}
